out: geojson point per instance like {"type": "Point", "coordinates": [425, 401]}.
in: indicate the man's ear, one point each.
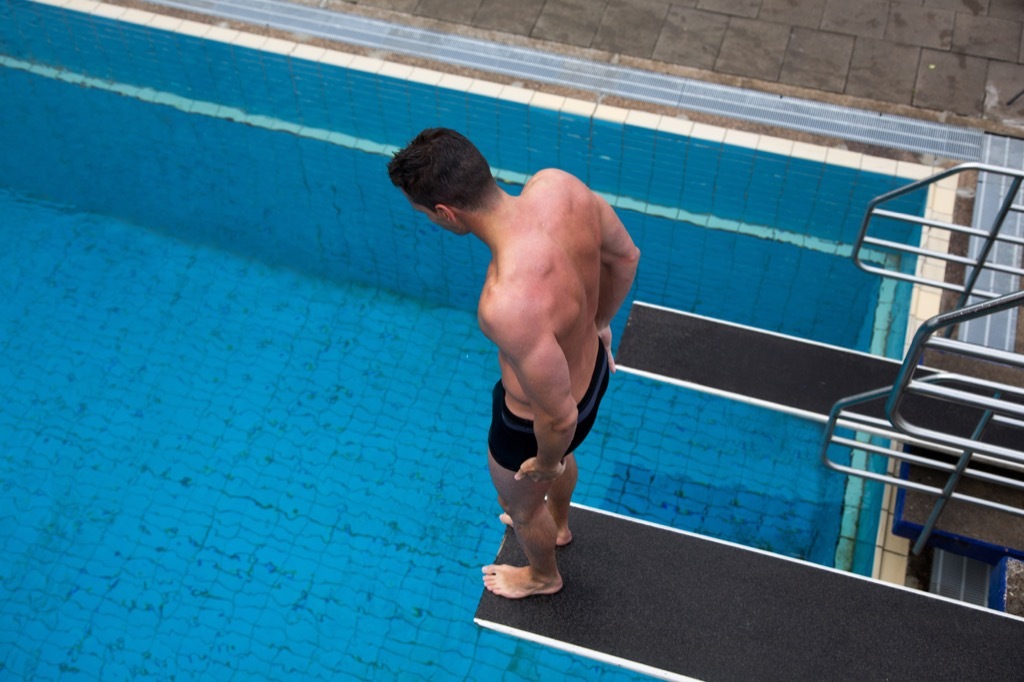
{"type": "Point", "coordinates": [445, 213]}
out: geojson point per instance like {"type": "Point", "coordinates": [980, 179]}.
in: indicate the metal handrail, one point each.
{"type": "Point", "coordinates": [998, 403]}
{"type": "Point", "coordinates": [976, 264]}
{"type": "Point", "coordinates": [923, 340]}
{"type": "Point", "coordinates": [889, 443]}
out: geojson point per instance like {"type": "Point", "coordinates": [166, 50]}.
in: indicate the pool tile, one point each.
{"type": "Point", "coordinates": [86, 6]}
{"type": "Point", "coordinates": [741, 138]}
{"type": "Point", "coordinates": [543, 100]}
{"type": "Point", "coordinates": [913, 171]}
{"type": "Point", "coordinates": [311, 53]}
{"type": "Point", "coordinates": [247, 40]}
{"type": "Point", "coordinates": [578, 107]}
{"type": "Point", "coordinates": [198, 29]}
{"type": "Point", "coordinates": [774, 145]}
{"type": "Point", "coordinates": [165, 23]}
{"type": "Point", "coordinates": [808, 152]}
{"type": "Point", "coordinates": [675, 126]}
{"type": "Point", "coordinates": [137, 16]}
{"type": "Point", "coordinates": [710, 133]}
{"type": "Point", "coordinates": [942, 199]}
{"type": "Point", "coordinates": [222, 35]}
{"type": "Point", "coordinates": [278, 46]}
{"type": "Point", "coordinates": [485, 88]}
{"type": "Point", "coordinates": [841, 157]}
{"type": "Point", "coordinates": [516, 94]}
{"type": "Point", "coordinates": [642, 119]}
{"type": "Point", "coordinates": [606, 112]}
{"type": "Point", "coordinates": [370, 65]}
{"type": "Point", "coordinates": [875, 164]}
{"type": "Point", "coordinates": [343, 59]}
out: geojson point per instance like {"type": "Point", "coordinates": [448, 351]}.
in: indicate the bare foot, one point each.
{"type": "Point", "coordinates": [516, 582]}
{"type": "Point", "coordinates": [563, 538]}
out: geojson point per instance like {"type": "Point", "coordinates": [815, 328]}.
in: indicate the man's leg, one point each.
{"type": "Point", "coordinates": [559, 498]}
{"type": "Point", "coordinates": [524, 502]}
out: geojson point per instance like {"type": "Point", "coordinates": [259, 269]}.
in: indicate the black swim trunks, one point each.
{"type": "Point", "coordinates": [511, 438]}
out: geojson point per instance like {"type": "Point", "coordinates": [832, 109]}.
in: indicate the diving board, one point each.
{"type": "Point", "coordinates": [784, 372]}
{"type": "Point", "coordinates": [679, 606]}
{"type": "Point", "coordinates": [773, 370]}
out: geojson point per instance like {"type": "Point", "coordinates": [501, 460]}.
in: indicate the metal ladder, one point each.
{"type": "Point", "coordinates": [898, 438]}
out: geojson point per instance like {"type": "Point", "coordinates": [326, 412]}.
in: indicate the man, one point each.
{"type": "Point", "coordinates": [561, 265]}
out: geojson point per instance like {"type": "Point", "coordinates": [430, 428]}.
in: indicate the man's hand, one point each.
{"type": "Point", "coordinates": [532, 469]}
{"type": "Point", "coordinates": [606, 338]}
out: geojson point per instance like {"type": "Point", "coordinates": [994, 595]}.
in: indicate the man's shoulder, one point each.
{"type": "Point", "coordinates": [552, 188]}
{"type": "Point", "coordinates": [511, 307]}
{"type": "Point", "coordinates": [556, 178]}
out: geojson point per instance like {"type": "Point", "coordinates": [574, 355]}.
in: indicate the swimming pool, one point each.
{"type": "Point", "coordinates": [243, 379]}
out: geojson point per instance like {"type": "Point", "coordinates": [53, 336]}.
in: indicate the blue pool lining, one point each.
{"type": "Point", "coordinates": [235, 114]}
{"type": "Point", "coordinates": [592, 110]}
{"type": "Point", "coordinates": [532, 98]}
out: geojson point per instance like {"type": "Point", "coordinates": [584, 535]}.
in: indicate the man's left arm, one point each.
{"type": "Point", "coordinates": [619, 260]}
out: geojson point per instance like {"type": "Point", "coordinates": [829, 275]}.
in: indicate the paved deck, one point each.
{"type": "Point", "coordinates": [956, 60]}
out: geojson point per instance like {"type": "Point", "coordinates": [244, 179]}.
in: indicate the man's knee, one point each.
{"type": "Point", "coordinates": [523, 516]}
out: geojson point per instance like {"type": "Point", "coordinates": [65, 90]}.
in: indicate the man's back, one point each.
{"type": "Point", "coordinates": [548, 272]}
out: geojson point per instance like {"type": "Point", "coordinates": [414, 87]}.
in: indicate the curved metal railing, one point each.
{"type": "Point", "coordinates": [868, 245]}
{"type": "Point", "coordinates": [938, 446]}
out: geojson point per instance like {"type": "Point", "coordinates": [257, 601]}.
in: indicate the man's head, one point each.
{"type": "Point", "coordinates": [442, 167]}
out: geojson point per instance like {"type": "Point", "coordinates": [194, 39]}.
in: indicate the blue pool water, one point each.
{"type": "Point", "coordinates": [244, 390]}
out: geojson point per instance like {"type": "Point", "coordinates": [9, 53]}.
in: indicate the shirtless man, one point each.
{"type": "Point", "coordinates": [561, 265]}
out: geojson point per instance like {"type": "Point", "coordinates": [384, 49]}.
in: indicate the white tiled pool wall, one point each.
{"type": "Point", "coordinates": [891, 551]}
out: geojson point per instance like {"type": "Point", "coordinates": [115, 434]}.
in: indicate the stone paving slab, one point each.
{"type": "Point", "coordinates": [753, 48]}
{"type": "Point", "coordinates": [924, 26]}
{"type": "Point", "coordinates": [630, 27]}
{"type": "Point", "coordinates": [691, 37]}
{"type": "Point", "coordinates": [953, 82]}
{"type": "Point", "coordinates": [816, 59]}
{"type": "Point", "coordinates": [959, 57]}
{"type": "Point", "coordinates": [882, 70]}
{"type": "Point", "coordinates": [867, 19]}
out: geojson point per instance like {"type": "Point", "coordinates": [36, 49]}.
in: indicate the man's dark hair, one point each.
{"type": "Point", "coordinates": [441, 166]}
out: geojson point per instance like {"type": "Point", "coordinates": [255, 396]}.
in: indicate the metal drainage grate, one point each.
{"type": "Point", "coordinates": [997, 331]}
{"type": "Point", "coordinates": [846, 123]}
{"type": "Point", "coordinates": [960, 578]}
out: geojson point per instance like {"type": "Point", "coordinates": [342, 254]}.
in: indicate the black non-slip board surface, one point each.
{"type": "Point", "coordinates": [744, 361]}
{"type": "Point", "coordinates": [791, 373]}
{"type": "Point", "coordinates": [711, 611]}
